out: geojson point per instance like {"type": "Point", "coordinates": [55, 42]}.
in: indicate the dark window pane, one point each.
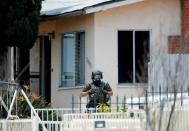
{"type": "Point", "coordinates": [125, 56]}
{"type": "Point", "coordinates": [141, 56]}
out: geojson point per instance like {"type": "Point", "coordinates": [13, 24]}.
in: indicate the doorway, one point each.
{"type": "Point", "coordinates": [45, 68]}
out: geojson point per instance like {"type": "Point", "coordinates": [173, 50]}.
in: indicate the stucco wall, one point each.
{"type": "Point", "coordinates": [47, 26]}
{"type": "Point", "coordinates": [62, 97]}
{"type": "Point", "coordinates": [160, 17]}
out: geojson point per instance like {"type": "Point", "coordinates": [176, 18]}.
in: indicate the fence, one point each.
{"type": "Point", "coordinates": [125, 115]}
{"type": "Point", "coordinates": [105, 121]}
{"type": "Point", "coordinates": [76, 119]}
{"type": "Point", "coordinates": [151, 97]}
{"type": "Point", "coordinates": [132, 120]}
{"type": "Point", "coordinates": [158, 120]}
{"type": "Point", "coordinates": [16, 125]}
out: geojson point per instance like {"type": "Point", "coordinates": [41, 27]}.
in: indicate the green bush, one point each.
{"type": "Point", "coordinates": [21, 107]}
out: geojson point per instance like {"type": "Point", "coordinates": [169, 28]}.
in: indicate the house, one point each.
{"type": "Point", "coordinates": [119, 38]}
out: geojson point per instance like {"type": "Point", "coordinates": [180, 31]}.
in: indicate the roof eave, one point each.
{"type": "Point", "coordinates": [110, 6]}
{"type": "Point", "coordinates": [59, 16]}
{"type": "Point", "coordinates": [88, 10]}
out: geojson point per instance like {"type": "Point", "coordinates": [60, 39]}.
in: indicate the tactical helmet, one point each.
{"type": "Point", "coordinates": [97, 72]}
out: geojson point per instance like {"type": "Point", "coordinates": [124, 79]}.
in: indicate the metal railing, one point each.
{"type": "Point", "coordinates": [7, 90]}
{"type": "Point", "coordinates": [16, 125]}
{"type": "Point", "coordinates": [9, 93]}
{"type": "Point", "coordinates": [155, 99]}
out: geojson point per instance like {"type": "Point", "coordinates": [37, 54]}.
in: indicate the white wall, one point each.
{"type": "Point", "coordinates": [161, 17]}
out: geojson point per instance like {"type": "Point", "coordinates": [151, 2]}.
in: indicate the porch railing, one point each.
{"type": "Point", "coordinates": [16, 125]}
{"type": "Point", "coordinates": [9, 106]}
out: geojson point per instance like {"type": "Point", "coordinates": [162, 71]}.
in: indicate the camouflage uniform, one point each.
{"type": "Point", "coordinates": [97, 94]}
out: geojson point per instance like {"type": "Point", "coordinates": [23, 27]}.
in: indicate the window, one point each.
{"type": "Point", "coordinates": [133, 56]}
{"type": "Point", "coordinates": [73, 59]}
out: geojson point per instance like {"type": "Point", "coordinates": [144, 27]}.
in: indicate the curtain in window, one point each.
{"type": "Point", "coordinates": [73, 59]}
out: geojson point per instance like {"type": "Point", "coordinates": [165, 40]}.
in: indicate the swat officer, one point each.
{"type": "Point", "coordinates": [98, 91]}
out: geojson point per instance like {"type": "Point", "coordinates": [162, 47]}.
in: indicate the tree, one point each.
{"type": "Point", "coordinates": [19, 20]}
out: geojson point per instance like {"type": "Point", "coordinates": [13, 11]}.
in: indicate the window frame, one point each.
{"type": "Point", "coordinates": [134, 60]}
{"type": "Point", "coordinates": [61, 86]}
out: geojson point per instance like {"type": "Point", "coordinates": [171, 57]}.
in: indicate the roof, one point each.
{"type": "Point", "coordinates": [58, 8]}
